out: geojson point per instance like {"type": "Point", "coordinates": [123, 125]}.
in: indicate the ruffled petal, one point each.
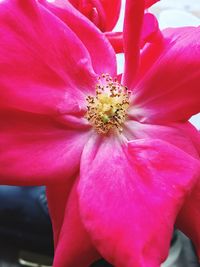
{"type": "Point", "coordinates": [129, 194]}
{"type": "Point", "coordinates": [149, 33]}
{"type": "Point", "coordinates": [44, 67]}
{"type": "Point", "coordinates": [170, 89]}
{"type": "Point", "coordinates": [74, 246]}
{"type": "Point", "coordinates": [149, 55]}
{"type": "Point", "coordinates": [116, 40]}
{"type": "Point", "coordinates": [182, 135]}
{"type": "Point", "coordinates": [111, 13]}
{"type": "Point", "coordinates": [103, 61]}
{"type": "Point", "coordinates": [150, 29]}
{"type": "Point", "coordinates": [188, 219]}
{"type": "Point", "coordinates": [37, 150]}
{"type": "Point", "coordinates": [104, 14]}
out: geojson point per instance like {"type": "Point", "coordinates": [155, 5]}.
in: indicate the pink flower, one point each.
{"type": "Point", "coordinates": [118, 163]}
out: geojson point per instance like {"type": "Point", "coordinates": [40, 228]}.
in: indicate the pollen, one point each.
{"type": "Point", "coordinates": [107, 110]}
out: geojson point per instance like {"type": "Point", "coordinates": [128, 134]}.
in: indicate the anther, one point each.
{"type": "Point", "coordinates": [108, 108]}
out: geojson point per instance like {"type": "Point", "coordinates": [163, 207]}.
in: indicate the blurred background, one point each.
{"type": "Point", "coordinates": [191, 6]}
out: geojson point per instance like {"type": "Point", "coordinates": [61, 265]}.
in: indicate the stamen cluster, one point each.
{"type": "Point", "coordinates": [108, 108]}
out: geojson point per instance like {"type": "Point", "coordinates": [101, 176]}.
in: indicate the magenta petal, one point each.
{"type": "Point", "coordinates": [36, 150]}
{"type": "Point", "coordinates": [170, 91]}
{"type": "Point", "coordinates": [133, 20]}
{"type": "Point", "coordinates": [44, 67]}
{"type": "Point", "coordinates": [57, 196]}
{"type": "Point", "coordinates": [150, 32]}
{"type": "Point", "coordinates": [150, 29]}
{"type": "Point", "coordinates": [74, 248]}
{"type": "Point", "coordinates": [104, 61]}
{"type": "Point", "coordinates": [149, 55]}
{"type": "Point", "coordinates": [116, 40]}
{"type": "Point", "coordinates": [128, 195]}
{"type": "Point", "coordinates": [111, 10]}
{"type": "Point", "coordinates": [104, 14]}
{"type": "Point", "coordinates": [188, 220]}
{"type": "Point", "coordinates": [182, 135]}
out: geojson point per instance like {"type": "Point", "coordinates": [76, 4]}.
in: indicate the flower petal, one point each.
{"type": "Point", "coordinates": [57, 196]}
{"type": "Point", "coordinates": [112, 11]}
{"type": "Point", "coordinates": [149, 33]}
{"type": "Point", "coordinates": [188, 220]}
{"type": "Point", "coordinates": [130, 194]}
{"type": "Point", "coordinates": [134, 13]}
{"type": "Point", "coordinates": [182, 135]}
{"type": "Point", "coordinates": [150, 29]}
{"type": "Point", "coordinates": [149, 55]}
{"type": "Point", "coordinates": [43, 65]}
{"type": "Point", "coordinates": [104, 61]}
{"type": "Point", "coordinates": [116, 40]}
{"type": "Point", "coordinates": [170, 89]}
{"type": "Point", "coordinates": [37, 150]}
{"type": "Point", "coordinates": [74, 246]}
{"type": "Point", "coordinates": [104, 14]}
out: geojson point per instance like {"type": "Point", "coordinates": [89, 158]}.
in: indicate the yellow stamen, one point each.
{"type": "Point", "coordinates": [107, 110]}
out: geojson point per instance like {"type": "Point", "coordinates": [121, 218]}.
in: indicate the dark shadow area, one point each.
{"type": "Point", "coordinates": [101, 263]}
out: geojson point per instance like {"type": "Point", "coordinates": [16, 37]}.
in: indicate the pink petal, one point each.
{"type": "Point", "coordinates": [134, 13]}
{"type": "Point", "coordinates": [129, 194]}
{"type": "Point", "coordinates": [112, 11]}
{"type": "Point", "coordinates": [149, 55]}
{"type": "Point", "coordinates": [116, 40]}
{"type": "Point", "coordinates": [57, 196]}
{"type": "Point", "coordinates": [150, 32]}
{"type": "Point", "coordinates": [104, 61]}
{"type": "Point", "coordinates": [182, 135]}
{"type": "Point", "coordinates": [36, 150]}
{"type": "Point", "coordinates": [150, 29]}
{"type": "Point", "coordinates": [189, 217]}
{"type": "Point", "coordinates": [104, 14]}
{"type": "Point", "coordinates": [170, 89]}
{"type": "Point", "coordinates": [74, 246]}
{"type": "Point", "coordinates": [188, 220]}
{"type": "Point", "coordinates": [43, 65]}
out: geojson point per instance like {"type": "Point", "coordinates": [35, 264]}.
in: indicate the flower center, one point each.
{"type": "Point", "coordinates": [108, 108]}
